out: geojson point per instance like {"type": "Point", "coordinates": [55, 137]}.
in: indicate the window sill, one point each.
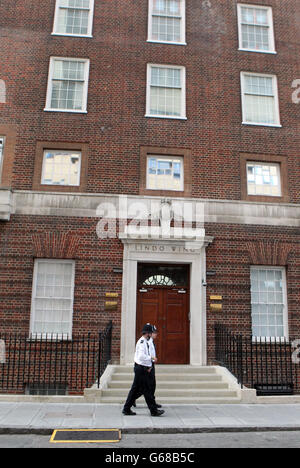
{"type": "Point", "coordinates": [72, 35]}
{"type": "Point", "coordinates": [266, 199]}
{"type": "Point", "coordinates": [272, 197]}
{"type": "Point", "coordinates": [66, 110]}
{"type": "Point", "coordinates": [174, 191]}
{"type": "Point", "coordinates": [167, 42]}
{"type": "Point", "coordinates": [57, 186]}
{"type": "Point", "coordinates": [165, 117]}
{"type": "Point", "coordinates": [262, 124]}
{"type": "Point", "coordinates": [272, 52]}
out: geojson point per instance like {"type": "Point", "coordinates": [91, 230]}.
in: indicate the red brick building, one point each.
{"type": "Point", "coordinates": [159, 111]}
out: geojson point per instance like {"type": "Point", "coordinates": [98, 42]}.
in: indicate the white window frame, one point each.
{"type": "Point", "coordinates": [182, 25]}
{"type": "Point", "coordinates": [90, 21]}
{"type": "Point", "coordinates": [183, 92]}
{"type": "Point", "coordinates": [264, 163]}
{"type": "Point", "coordinates": [85, 87]}
{"type": "Point", "coordinates": [276, 99]}
{"type": "Point", "coordinates": [46, 335]}
{"type": "Point", "coordinates": [61, 151]}
{"type": "Point", "coordinates": [272, 49]}
{"type": "Point", "coordinates": [167, 158]}
{"type": "Point", "coordinates": [2, 155]}
{"type": "Point", "coordinates": [285, 305]}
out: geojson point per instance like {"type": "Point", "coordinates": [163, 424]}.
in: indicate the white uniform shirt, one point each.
{"type": "Point", "coordinates": [143, 353]}
{"type": "Point", "coordinates": [152, 348]}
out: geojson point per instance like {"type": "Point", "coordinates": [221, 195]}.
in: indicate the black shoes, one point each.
{"type": "Point", "coordinates": [157, 413]}
{"type": "Point", "coordinates": [128, 413]}
{"type": "Point", "coordinates": [157, 406]}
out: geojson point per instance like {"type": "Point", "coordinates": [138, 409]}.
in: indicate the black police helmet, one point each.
{"type": "Point", "coordinates": [147, 328]}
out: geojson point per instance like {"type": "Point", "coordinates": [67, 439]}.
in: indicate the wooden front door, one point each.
{"type": "Point", "coordinates": [167, 307]}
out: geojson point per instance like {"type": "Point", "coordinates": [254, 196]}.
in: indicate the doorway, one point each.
{"type": "Point", "coordinates": [163, 301]}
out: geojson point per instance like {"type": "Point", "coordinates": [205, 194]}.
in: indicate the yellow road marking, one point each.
{"type": "Point", "coordinates": [84, 441]}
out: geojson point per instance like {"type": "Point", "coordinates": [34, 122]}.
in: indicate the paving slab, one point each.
{"type": "Point", "coordinates": [5, 410]}
{"type": "Point", "coordinates": [105, 414]}
{"type": "Point", "coordinates": [21, 415]}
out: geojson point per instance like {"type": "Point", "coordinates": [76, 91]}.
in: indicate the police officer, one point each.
{"type": "Point", "coordinates": [154, 360]}
{"type": "Point", "coordinates": [142, 384]}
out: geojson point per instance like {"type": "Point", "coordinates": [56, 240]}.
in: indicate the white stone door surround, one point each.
{"type": "Point", "coordinates": [165, 251]}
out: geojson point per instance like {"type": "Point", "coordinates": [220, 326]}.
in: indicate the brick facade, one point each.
{"type": "Point", "coordinates": [115, 127]}
{"type": "Point", "coordinates": [114, 134]}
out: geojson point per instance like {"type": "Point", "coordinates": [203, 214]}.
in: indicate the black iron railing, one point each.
{"type": "Point", "coordinates": [48, 364]}
{"type": "Point", "coordinates": [104, 350]}
{"type": "Point", "coordinates": [264, 364]}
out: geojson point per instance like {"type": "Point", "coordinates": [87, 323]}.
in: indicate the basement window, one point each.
{"type": "Point", "coordinates": [46, 389]}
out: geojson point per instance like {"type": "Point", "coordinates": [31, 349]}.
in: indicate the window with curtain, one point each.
{"type": "Point", "coordinates": [268, 302]}
{"type": "Point", "coordinates": [52, 298]}
{"type": "Point", "coordinates": [67, 85]}
{"type": "Point", "coordinates": [73, 17]}
{"type": "Point", "coordinates": [256, 28]}
{"type": "Point", "coordinates": [166, 91]}
{"type": "Point", "coordinates": [260, 99]}
{"type": "Point", "coordinates": [166, 21]}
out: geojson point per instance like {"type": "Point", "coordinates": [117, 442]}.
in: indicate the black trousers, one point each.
{"type": "Point", "coordinates": [152, 384]}
{"type": "Point", "coordinates": [142, 385]}
{"type": "Point", "coordinates": [153, 379]}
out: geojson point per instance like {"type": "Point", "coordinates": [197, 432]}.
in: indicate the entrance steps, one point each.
{"type": "Point", "coordinates": [174, 385]}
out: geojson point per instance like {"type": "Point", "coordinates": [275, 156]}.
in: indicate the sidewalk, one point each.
{"type": "Point", "coordinates": [42, 418]}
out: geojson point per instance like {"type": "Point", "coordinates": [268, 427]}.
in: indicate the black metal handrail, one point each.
{"type": "Point", "coordinates": [260, 363]}
{"type": "Point", "coordinates": [52, 364]}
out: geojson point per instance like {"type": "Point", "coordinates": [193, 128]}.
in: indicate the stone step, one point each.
{"type": "Point", "coordinates": [172, 384]}
{"type": "Point", "coordinates": [171, 376]}
{"type": "Point", "coordinates": [165, 369]}
{"type": "Point", "coordinates": [160, 393]}
{"type": "Point", "coordinates": [178, 401]}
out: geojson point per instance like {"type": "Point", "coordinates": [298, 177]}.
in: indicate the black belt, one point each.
{"type": "Point", "coordinates": [140, 365]}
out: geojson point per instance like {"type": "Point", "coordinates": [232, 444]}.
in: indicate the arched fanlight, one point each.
{"type": "Point", "coordinates": [158, 280]}
{"type": "Point", "coordinates": [162, 275]}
